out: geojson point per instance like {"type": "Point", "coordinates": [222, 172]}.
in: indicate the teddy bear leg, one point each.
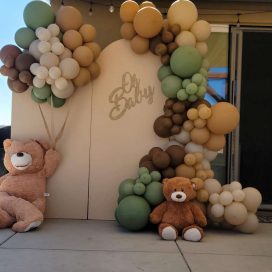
{"type": "Point", "coordinates": [5, 219]}
{"type": "Point", "coordinates": [168, 232]}
{"type": "Point", "coordinates": [193, 233]}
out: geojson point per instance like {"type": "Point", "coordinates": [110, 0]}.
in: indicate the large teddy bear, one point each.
{"type": "Point", "coordinates": [22, 190]}
{"type": "Point", "coordinates": [178, 214]}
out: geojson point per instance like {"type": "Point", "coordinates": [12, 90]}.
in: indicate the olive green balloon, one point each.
{"type": "Point", "coordinates": [143, 170]}
{"type": "Point", "coordinates": [57, 102]}
{"type": "Point", "coordinates": [185, 61]}
{"type": "Point", "coordinates": [164, 71]}
{"type": "Point", "coordinates": [182, 95]}
{"type": "Point", "coordinates": [37, 14]}
{"type": "Point", "coordinates": [170, 86]}
{"type": "Point", "coordinates": [156, 175]}
{"type": "Point", "coordinates": [133, 212]}
{"type": "Point", "coordinates": [36, 99]}
{"type": "Point", "coordinates": [145, 178]}
{"type": "Point", "coordinates": [43, 92]}
{"type": "Point", "coordinates": [126, 187]}
{"type": "Point", "coordinates": [153, 193]}
{"type": "Point", "coordinates": [24, 37]}
{"type": "Point", "coordinates": [139, 188]}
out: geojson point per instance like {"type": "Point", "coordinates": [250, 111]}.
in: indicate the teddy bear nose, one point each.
{"type": "Point", "coordinates": [178, 196]}
{"type": "Point", "coordinates": [20, 154]}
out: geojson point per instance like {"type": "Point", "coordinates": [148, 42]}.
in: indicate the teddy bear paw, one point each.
{"type": "Point", "coordinates": [23, 226]}
{"type": "Point", "coordinates": [169, 233]}
{"type": "Point", "coordinates": [193, 235]}
{"type": "Point", "coordinates": [33, 225]}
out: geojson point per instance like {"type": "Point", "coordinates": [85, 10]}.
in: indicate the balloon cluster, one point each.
{"type": "Point", "coordinates": [137, 196]}
{"type": "Point", "coordinates": [231, 206]}
{"type": "Point", "coordinates": [16, 67]}
{"type": "Point", "coordinates": [60, 53]}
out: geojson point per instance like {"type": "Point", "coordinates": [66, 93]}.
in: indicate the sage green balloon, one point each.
{"type": "Point", "coordinates": [133, 213]}
{"type": "Point", "coordinates": [192, 98]}
{"type": "Point", "coordinates": [126, 187]}
{"type": "Point", "coordinates": [139, 188]}
{"type": "Point", "coordinates": [37, 14]}
{"type": "Point", "coordinates": [153, 193]}
{"type": "Point", "coordinates": [182, 95]}
{"type": "Point", "coordinates": [156, 175]}
{"type": "Point", "coordinates": [143, 170]}
{"type": "Point", "coordinates": [197, 78]}
{"type": "Point", "coordinates": [57, 102]}
{"type": "Point", "coordinates": [201, 91]}
{"type": "Point", "coordinates": [170, 86]}
{"type": "Point", "coordinates": [36, 99]}
{"type": "Point", "coordinates": [185, 61]}
{"type": "Point", "coordinates": [42, 93]}
{"type": "Point", "coordinates": [191, 88]}
{"type": "Point", "coordinates": [24, 37]}
{"type": "Point", "coordinates": [185, 82]}
{"type": "Point", "coordinates": [145, 179]}
{"type": "Point", "coordinates": [164, 71]}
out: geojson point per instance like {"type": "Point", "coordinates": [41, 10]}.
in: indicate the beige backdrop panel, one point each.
{"type": "Point", "coordinates": [68, 187]}
{"type": "Point", "coordinates": [122, 129]}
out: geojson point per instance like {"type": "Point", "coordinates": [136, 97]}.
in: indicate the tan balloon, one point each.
{"type": "Point", "coordinates": [253, 199]}
{"type": "Point", "coordinates": [183, 13]}
{"type": "Point", "coordinates": [139, 45]}
{"type": "Point", "coordinates": [72, 39]}
{"type": "Point", "coordinates": [69, 68]}
{"type": "Point", "coordinates": [186, 171]}
{"type": "Point", "coordinates": [82, 78]}
{"type": "Point", "coordinates": [235, 213]}
{"type": "Point", "coordinates": [147, 4]}
{"type": "Point", "coordinates": [215, 142]}
{"type": "Point", "coordinates": [88, 32]}
{"type": "Point", "coordinates": [199, 183]}
{"type": "Point", "coordinates": [212, 217]}
{"type": "Point", "coordinates": [202, 195]}
{"type": "Point", "coordinates": [202, 47]}
{"type": "Point", "coordinates": [127, 31]}
{"type": "Point", "coordinates": [148, 22]}
{"type": "Point", "coordinates": [250, 225]}
{"type": "Point", "coordinates": [128, 10]}
{"type": "Point", "coordinates": [83, 55]}
{"type": "Point", "coordinates": [212, 186]}
{"type": "Point", "coordinates": [94, 70]}
{"type": "Point", "coordinates": [200, 135]}
{"type": "Point", "coordinates": [49, 60]}
{"type": "Point", "coordinates": [201, 30]}
{"type": "Point", "coordinates": [68, 18]}
{"type": "Point", "coordinates": [225, 117]}
{"type": "Point", "coordinates": [185, 38]}
{"type": "Point", "coordinates": [95, 47]}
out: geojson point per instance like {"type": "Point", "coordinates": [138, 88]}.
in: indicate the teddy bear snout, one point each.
{"type": "Point", "coordinates": [178, 196]}
{"type": "Point", "coordinates": [21, 160]}
{"type": "Point", "coordinates": [20, 154]}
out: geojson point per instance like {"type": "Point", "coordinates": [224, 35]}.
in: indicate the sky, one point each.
{"type": "Point", "coordinates": [11, 19]}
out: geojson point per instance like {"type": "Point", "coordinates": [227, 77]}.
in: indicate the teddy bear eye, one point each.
{"type": "Point", "coordinates": [175, 190]}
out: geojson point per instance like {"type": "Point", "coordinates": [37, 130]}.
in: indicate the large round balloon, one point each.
{"type": "Point", "coordinates": [183, 13]}
{"type": "Point", "coordinates": [8, 54]}
{"type": "Point", "coordinates": [185, 61]}
{"type": "Point", "coordinates": [133, 212]}
{"type": "Point", "coordinates": [225, 117]}
{"type": "Point", "coordinates": [201, 30]}
{"type": "Point", "coordinates": [37, 14]}
{"type": "Point", "coordinates": [170, 86]}
{"type": "Point", "coordinates": [24, 37]}
{"type": "Point", "coordinates": [153, 193]}
{"type": "Point", "coordinates": [23, 61]}
{"type": "Point", "coordinates": [42, 93]}
{"type": "Point", "coordinates": [253, 199]}
{"type": "Point", "coordinates": [128, 10]}
{"type": "Point", "coordinates": [69, 68]}
{"type": "Point", "coordinates": [148, 22]}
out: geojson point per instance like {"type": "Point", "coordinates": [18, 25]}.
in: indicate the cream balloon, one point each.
{"type": "Point", "coordinates": [201, 30]}
{"type": "Point", "coordinates": [202, 47]}
{"type": "Point", "coordinates": [183, 137]}
{"type": "Point", "coordinates": [43, 34]}
{"type": "Point", "coordinates": [225, 198]}
{"type": "Point", "coordinates": [54, 72]}
{"type": "Point", "coordinates": [214, 198]}
{"type": "Point", "coordinates": [57, 48]}
{"type": "Point", "coordinates": [217, 210]}
{"type": "Point", "coordinates": [69, 68]}
{"type": "Point", "coordinates": [61, 83]}
{"type": "Point", "coordinates": [192, 148]}
{"type": "Point", "coordinates": [235, 185]}
{"type": "Point", "coordinates": [238, 195]}
{"type": "Point", "coordinates": [253, 199]}
{"type": "Point", "coordinates": [54, 29]}
{"type": "Point", "coordinates": [34, 50]}
{"type": "Point", "coordinates": [38, 83]}
{"type": "Point", "coordinates": [212, 186]}
{"type": "Point", "coordinates": [64, 93]}
{"type": "Point", "coordinates": [67, 53]}
{"type": "Point", "coordinates": [209, 154]}
{"type": "Point", "coordinates": [49, 60]}
{"type": "Point", "coordinates": [42, 72]}
{"type": "Point", "coordinates": [54, 40]}
{"type": "Point", "coordinates": [44, 47]}
{"type": "Point", "coordinates": [34, 67]}
{"type": "Point", "coordinates": [250, 225]}
{"type": "Point", "coordinates": [185, 38]}
{"type": "Point", "coordinates": [235, 213]}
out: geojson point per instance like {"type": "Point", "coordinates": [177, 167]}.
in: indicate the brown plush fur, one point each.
{"type": "Point", "coordinates": [22, 191]}
{"type": "Point", "coordinates": [180, 216]}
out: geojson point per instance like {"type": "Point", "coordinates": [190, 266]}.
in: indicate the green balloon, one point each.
{"type": "Point", "coordinates": [145, 178]}
{"type": "Point", "coordinates": [42, 93]}
{"type": "Point", "coordinates": [197, 79]}
{"type": "Point", "coordinates": [185, 82]}
{"type": "Point", "coordinates": [57, 102]}
{"type": "Point", "coordinates": [170, 86]}
{"type": "Point", "coordinates": [192, 98]}
{"type": "Point", "coordinates": [154, 194]}
{"type": "Point", "coordinates": [164, 71]}
{"type": "Point", "coordinates": [143, 170]}
{"type": "Point", "coordinates": [204, 82]}
{"type": "Point", "coordinates": [133, 213]}
{"type": "Point", "coordinates": [155, 175]}
{"type": "Point", "coordinates": [203, 72]}
{"type": "Point", "coordinates": [37, 14]}
{"type": "Point", "coordinates": [182, 95]}
{"type": "Point", "coordinates": [191, 88]}
{"type": "Point", "coordinates": [24, 37]}
{"type": "Point", "coordinates": [205, 64]}
{"type": "Point", "coordinates": [185, 61]}
{"type": "Point", "coordinates": [139, 188]}
{"type": "Point", "coordinates": [36, 99]}
{"type": "Point", "coordinates": [126, 187]}
{"type": "Point", "coordinates": [201, 91]}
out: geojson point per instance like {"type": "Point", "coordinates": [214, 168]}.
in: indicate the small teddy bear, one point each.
{"type": "Point", "coordinates": [178, 214]}
{"type": "Point", "coordinates": [22, 190]}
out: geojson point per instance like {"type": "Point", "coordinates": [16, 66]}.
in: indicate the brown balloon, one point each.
{"type": "Point", "coordinates": [154, 150]}
{"type": "Point", "coordinates": [215, 142]}
{"type": "Point", "coordinates": [161, 160]}
{"type": "Point", "coordinates": [171, 47]}
{"type": "Point", "coordinates": [149, 165]}
{"type": "Point", "coordinates": [145, 158]}
{"type": "Point", "coordinates": [186, 171]}
{"type": "Point", "coordinates": [139, 44]}
{"type": "Point", "coordinates": [8, 55]}
{"type": "Point", "coordinates": [169, 172]}
{"type": "Point", "coordinates": [24, 61]}
{"type": "Point", "coordinates": [17, 86]}
{"type": "Point", "coordinates": [153, 42]}
{"type": "Point", "coordinates": [165, 60]}
{"type": "Point", "coordinates": [167, 36]}
{"type": "Point", "coordinates": [175, 29]}
{"type": "Point", "coordinates": [176, 154]}
{"type": "Point", "coordinates": [162, 126]}
{"type": "Point", "coordinates": [26, 77]}
{"type": "Point", "coordinates": [127, 31]}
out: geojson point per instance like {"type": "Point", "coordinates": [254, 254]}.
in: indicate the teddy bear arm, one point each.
{"type": "Point", "coordinates": [52, 158]}
{"type": "Point", "coordinates": [157, 214]}
{"type": "Point", "coordinates": [200, 218]}
{"type": "Point", "coordinates": [3, 178]}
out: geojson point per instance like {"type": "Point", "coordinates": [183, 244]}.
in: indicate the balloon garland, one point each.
{"type": "Point", "coordinates": [195, 128]}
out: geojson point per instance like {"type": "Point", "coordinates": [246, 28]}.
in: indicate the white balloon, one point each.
{"type": "Point", "coordinates": [34, 49]}
{"type": "Point", "coordinates": [226, 187]}
{"type": "Point", "coordinates": [49, 60]}
{"type": "Point", "coordinates": [209, 154]}
{"type": "Point", "coordinates": [66, 92]}
{"type": "Point", "coordinates": [238, 195]}
{"type": "Point", "coordinates": [225, 198]}
{"type": "Point", "coordinates": [172, 142]}
{"type": "Point", "coordinates": [183, 137]}
{"type": "Point", "coordinates": [69, 68]}
{"type": "Point", "coordinates": [50, 81]}
{"type": "Point", "coordinates": [217, 210]}
{"type": "Point", "coordinates": [214, 198]}
{"type": "Point", "coordinates": [44, 47]}
{"type": "Point", "coordinates": [37, 82]}
{"type": "Point", "coordinates": [34, 67]}
{"type": "Point", "coordinates": [61, 83]}
{"type": "Point", "coordinates": [206, 164]}
{"type": "Point", "coordinates": [185, 38]}
{"type": "Point", "coordinates": [42, 72]}
{"type": "Point", "coordinates": [43, 34]}
{"type": "Point", "coordinates": [38, 30]}
{"type": "Point", "coordinates": [193, 148]}
{"type": "Point", "coordinates": [66, 54]}
{"type": "Point", "coordinates": [54, 29]}
{"type": "Point", "coordinates": [235, 185]}
{"type": "Point", "coordinates": [53, 40]}
{"type": "Point", "coordinates": [54, 72]}
{"type": "Point", "coordinates": [57, 48]}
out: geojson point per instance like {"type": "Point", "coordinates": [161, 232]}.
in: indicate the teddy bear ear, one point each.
{"type": "Point", "coordinates": [164, 180]}
{"type": "Point", "coordinates": [43, 144]}
{"type": "Point", "coordinates": [7, 143]}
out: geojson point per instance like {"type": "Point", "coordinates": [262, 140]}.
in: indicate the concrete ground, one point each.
{"type": "Point", "coordinates": [102, 246]}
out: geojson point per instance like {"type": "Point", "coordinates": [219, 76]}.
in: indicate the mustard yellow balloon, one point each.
{"type": "Point", "coordinates": [183, 13]}
{"type": "Point", "coordinates": [94, 70]}
{"type": "Point", "coordinates": [148, 22]}
{"type": "Point", "coordinates": [127, 31]}
{"type": "Point", "coordinates": [200, 135]}
{"type": "Point", "coordinates": [83, 55]}
{"type": "Point", "coordinates": [88, 32]}
{"type": "Point", "coordinates": [72, 39]}
{"type": "Point", "coordinates": [68, 18]}
{"type": "Point", "coordinates": [186, 171]}
{"type": "Point", "coordinates": [128, 10]}
{"type": "Point", "coordinates": [215, 142]}
{"type": "Point", "coordinates": [225, 117]}
{"type": "Point", "coordinates": [82, 78]}
{"type": "Point", "coordinates": [139, 45]}
{"type": "Point", "coordinates": [147, 4]}
{"type": "Point", "coordinates": [95, 47]}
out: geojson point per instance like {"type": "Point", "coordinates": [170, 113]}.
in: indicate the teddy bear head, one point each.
{"type": "Point", "coordinates": [24, 157]}
{"type": "Point", "coordinates": [178, 189]}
